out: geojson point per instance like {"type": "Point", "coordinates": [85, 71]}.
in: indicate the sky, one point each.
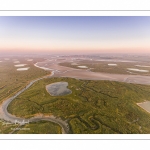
{"type": "Point", "coordinates": [80, 34]}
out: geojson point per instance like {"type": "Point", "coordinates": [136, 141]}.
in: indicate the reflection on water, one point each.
{"type": "Point", "coordinates": [139, 70]}
{"type": "Point", "coordinates": [58, 89]}
{"type": "Point", "coordinates": [22, 69]}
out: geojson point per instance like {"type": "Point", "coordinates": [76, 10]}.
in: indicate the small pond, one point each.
{"type": "Point", "coordinates": [58, 89]}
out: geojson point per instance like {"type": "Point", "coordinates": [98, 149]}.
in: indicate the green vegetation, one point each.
{"type": "Point", "coordinates": [41, 127]}
{"type": "Point", "coordinates": [92, 107]}
{"type": "Point", "coordinates": [12, 80]}
{"type": "Point", "coordinates": [6, 127]}
{"type": "Point", "coordinates": [121, 68]}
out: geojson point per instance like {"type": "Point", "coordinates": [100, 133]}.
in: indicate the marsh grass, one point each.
{"type": "Point", "coordinates": [12, 80]}
{"type": "Point", "coordinates": [92, 107]}
{"type": "Point", "coordinates": [41, 127]}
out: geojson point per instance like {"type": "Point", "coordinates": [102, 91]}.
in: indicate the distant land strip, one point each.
{"type": "Point", "coordinates": [74, 10]}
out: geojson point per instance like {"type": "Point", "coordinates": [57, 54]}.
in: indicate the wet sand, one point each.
{"type": "Point", "coordinates": [61, 71]}
{"type": "Point", "coordinates": [4, 114]}
{"type": "Point", "coordinates": [86, 74]}
{"type": "Point", "coordinates": [145, 106]}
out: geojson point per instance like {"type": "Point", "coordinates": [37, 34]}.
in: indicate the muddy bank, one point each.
{"type": "Point", "coordinates": [4, 114]}
{"type": "Point", "coordinates": [86, 74]}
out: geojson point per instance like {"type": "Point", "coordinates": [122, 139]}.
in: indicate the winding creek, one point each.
{"type": "Point", "coordinates": [4, 114]}
{"type": "Point", "coordinates": [61, 71]}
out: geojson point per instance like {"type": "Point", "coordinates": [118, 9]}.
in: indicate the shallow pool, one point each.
{"type": "Point", "coordinates": [58, 89]}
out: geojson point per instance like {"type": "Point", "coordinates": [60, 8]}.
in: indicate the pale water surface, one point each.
{"type": "Point", "coordinates": [22, 69]}
{"type": "Point", "coordinates": [82, 66]}
{"type": "Point", "coordinates": [112, 64]}
{"type": "Point", "coordinates": [20, 65]}
{"type": "Point", "coordinates": [58, 89]}
{"type": "Point", "coordinates": [138, 70]}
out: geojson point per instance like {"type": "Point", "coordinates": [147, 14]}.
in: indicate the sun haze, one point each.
{"type": "Point", "coordinates": [100, 34]}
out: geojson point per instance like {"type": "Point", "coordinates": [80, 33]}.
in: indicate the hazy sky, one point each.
{"type": "Point", "coordinates": [75, 34]}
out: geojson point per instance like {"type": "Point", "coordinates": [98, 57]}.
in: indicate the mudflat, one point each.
{"type": "Point", "coordinates": [63, 71]}
{"type": "Point", "coordinates": [145, 106]}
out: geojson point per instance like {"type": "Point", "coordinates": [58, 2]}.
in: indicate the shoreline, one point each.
{"type": "Point", "coordinates": [5, 115]}
{"type": "Point", "coordinates": [139, 104]}
{"type": "Point", "coordinates": [58, 95]}
{"type": "Point", "coordinates": [71, 73]}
